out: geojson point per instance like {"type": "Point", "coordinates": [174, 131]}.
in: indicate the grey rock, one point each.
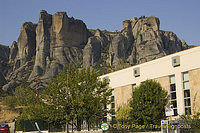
{"type": "Point", "coordinates": [48, 47]}
{"type": "Point", "coordinates": [13, 52]}
{"type": "Point", "coordinates": [4, 59]}
{"type": "Point", "coordinates": [94, 50]}
{"type": "Point", "coordinates": [118, 49]}
{"type": "Point", "coordinates": [10, 86]}
{"type": "Point", "coordinates": [26, 43]}
{"type": "Point", "coordinates": [59, 40]}
{"type": "Point", "coordinates": [4, 50]}
{"type": "Point", "coordinates": [2, 80]}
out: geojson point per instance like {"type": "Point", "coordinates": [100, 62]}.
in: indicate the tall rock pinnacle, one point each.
{"type": "Point", "coordinates": [48, 47]}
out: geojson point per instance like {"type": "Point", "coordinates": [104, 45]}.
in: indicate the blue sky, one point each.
{"type": "Point", "coordinates": [180, 16]}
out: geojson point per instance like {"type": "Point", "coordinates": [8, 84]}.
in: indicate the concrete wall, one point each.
{"type": "Point", "coordinates": [164, 81]}
{"type": "Point", "coordinates": [122, 95]}
{"type": "Point", "coordinates": [194, 77]}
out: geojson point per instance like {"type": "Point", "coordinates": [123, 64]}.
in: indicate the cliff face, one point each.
{"type": "Point", "coordinates": [46, 48]}
{"type": "Point", "coordinates": [4, 68]}
{"type": "Point", "coordinates": [59, 41]}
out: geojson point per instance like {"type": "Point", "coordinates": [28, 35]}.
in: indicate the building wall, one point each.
{"type": "Point", "coordinates": [194, 76]}
{"type": "Point", "coordinates": [160, 70]}
{"type": "Point", "coordinates": [122, 95]}
{"type": "Point", "coordinates": [164, 82]}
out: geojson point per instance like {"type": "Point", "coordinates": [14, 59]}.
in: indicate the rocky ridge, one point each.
{"type": "Point", "coordinates": [46, 48]}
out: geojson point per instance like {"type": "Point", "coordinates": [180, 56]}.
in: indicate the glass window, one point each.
{"type": "Point", "coordinates": [133, 87]}
{"type": "Point", "coordinates": [112, 92]}
{"type": "Point", "coordinates": [112, 111]}
{"type": "Point", "coordinates": [172, 87]}
{"type": "Point", "coordinates": [174, 60]}
{"type": "Point", "coordinates": [105, 119]}
{"type": "Point", "coordinates": [187, 102]}
{"type": "Point", "coordinates": [112, 105]}
{"type": "Point", "coordinates": [105, 106]}
{"type": "Point", "coordinates": [173, 95]}
{"type": "Point", "coordinates": [186, 76]}
{"type": "Point", "coordinates": [188, 110]}
{"type": "Point", "coordinates": [172, 79]}
{"type": "Point", "coordinates": [113, 118]}
{"type": "Point", "coordinates": [175, 112]}
{"type": "Point", "coordinates": [174, 103]}
{"type": "Point", "coordinates": [186, 93]}
{"type": "Point", "coordinates": [112, 99]}
{"type": "Point", "coordinates": [186, 85]}
{"type": "Point", "coordinates": [135, 71]}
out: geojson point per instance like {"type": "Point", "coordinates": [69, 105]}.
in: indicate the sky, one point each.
{"type": "Point", "coordinates": [180, 16]}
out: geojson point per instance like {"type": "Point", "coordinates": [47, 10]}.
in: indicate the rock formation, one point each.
{"type": "Point", "coordinates": [59, 41]}
{"type": "Point", "coordinates": [4, 67]}
{"type": "Point", "coordinates": [46, 48]}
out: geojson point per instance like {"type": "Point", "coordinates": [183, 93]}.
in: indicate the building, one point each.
{"type": "Point", "coordinates": [178, 73]}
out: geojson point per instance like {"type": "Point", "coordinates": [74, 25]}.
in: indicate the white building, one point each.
{"type": "Point", "coordinates": [178, 73]}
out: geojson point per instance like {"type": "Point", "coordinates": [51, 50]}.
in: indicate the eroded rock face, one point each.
{"type": "Point", "coordinates": [4, 59]}
{"type": "Point", "coordinates": [13, 52]}
{"type": "Point", "coordinates": [92, 52]}
{"type": "Point", "coordinates": [2, 80]}
{"type": "Point", "coordinates": [26, 43]}
{"type": "Point", "coordinates": [144, 41]}
{"type": "Point", "coordinates": [59, 41]}
{"type": "Point", "coordinates": [4, 53]}
{"type": "Point", "coordinates": [42, 43]}
{"type": "Point", "coordinates": [48, 47]}
{"type": "Point", "coordinates": [4, 68]}
{"type": "Point", "coordinates": [68, 31]}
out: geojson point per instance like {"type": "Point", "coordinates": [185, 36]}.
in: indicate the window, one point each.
{"type": "Point", "coordinates": [173, 99]}
{"type": "Point", "coordinates": [113, 118]}
{"type": "Point", "coordinates": [112, 99]}
{"type": "Point", "coordinates": [136, 71]}
{"type": "Point", "coordinates": [105, 115]}
{"type": "Point", "coordinates": [133, 87]}
{"type": "Point", "coordinates": [105, 118]}
{"type": "Point", "coordinates": [112, 106]}
{"type": "Point", "coordinates": [175, 61]}
{"type": "Point", "coordinates": [186, 90]}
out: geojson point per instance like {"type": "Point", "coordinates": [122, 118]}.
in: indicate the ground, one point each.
{"type": "Point", "coordinates": [7, 116]}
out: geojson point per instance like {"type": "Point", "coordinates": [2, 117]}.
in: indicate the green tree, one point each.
{"type": "Point", "coordinates": [123, 113]}
{"type": "Point", "coordinates": [147, 103]}
{"type": "Point", "coordinates": [192, 120]}
{"type": "Point", "coordinates": [21, 97]}
{"type": "Point", "coordinates": [72, 97]}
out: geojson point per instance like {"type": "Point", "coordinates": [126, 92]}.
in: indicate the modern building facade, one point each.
{"type": "Point", "coordinates": [178, 73]}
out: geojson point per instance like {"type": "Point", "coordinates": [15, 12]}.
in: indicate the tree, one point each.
{"type": "Point", "coordinates": [21, 97]}
{"type": "Point", "coordinates": [147, 103]}
{"type": "Point", "coordinates": [123, 113]}
{"type": "Point", "coordinates": [72, 97]}
{"type": "Point", "coordinates": [192, 120]}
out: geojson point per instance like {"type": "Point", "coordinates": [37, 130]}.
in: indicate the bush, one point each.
{"type": "Point", "coordinates": [147, 103]}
